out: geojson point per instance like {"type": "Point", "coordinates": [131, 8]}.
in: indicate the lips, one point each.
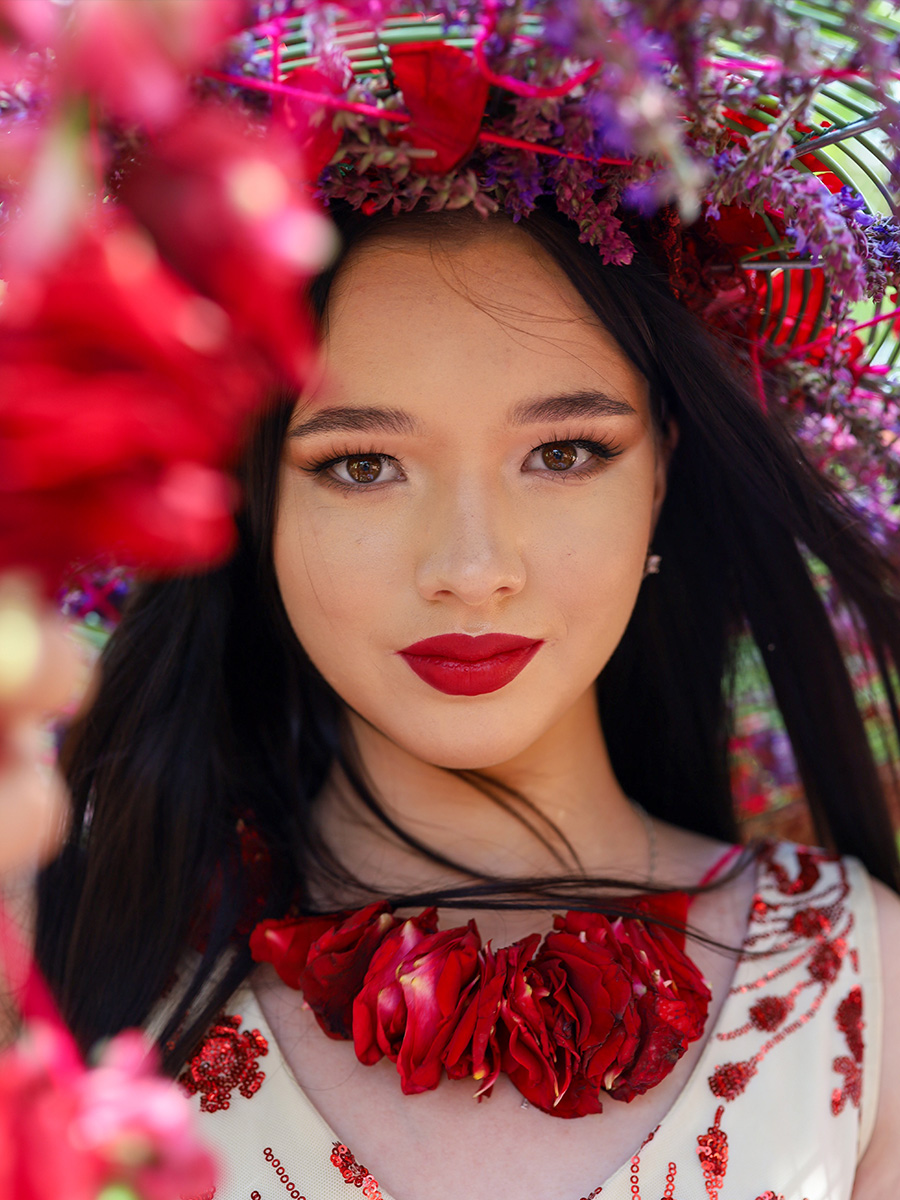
{"type": "Point", "coordinates": [460, 665]}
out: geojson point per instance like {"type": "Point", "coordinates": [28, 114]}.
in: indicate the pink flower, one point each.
{"type": "Point", "coordinates": [134, 57]}
{"type": "Point", "coordinates": [139, 1124]}
{"type": "Point", "coordinates": [228, 212]}
{"type": "Point", "coordinates": [40, 1158]}
{"type": "Point", "coordinates": [68, 1132]}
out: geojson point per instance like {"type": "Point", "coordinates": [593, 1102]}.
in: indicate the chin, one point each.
{"type": "Point", "coordinates": [459, 749]}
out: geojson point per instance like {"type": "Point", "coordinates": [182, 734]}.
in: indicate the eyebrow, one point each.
{"type": "Point", "coordinates": [346, 419]}
{"type": "Point", "coordinates": [574, 405]}
{"type": "Point", "coordinates": [356, 420]}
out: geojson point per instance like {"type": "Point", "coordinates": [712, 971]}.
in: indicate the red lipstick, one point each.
{"type": "Point", "coordinates": [460, 665]}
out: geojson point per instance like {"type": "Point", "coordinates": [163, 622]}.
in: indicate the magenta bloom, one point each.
{"type": "Point", "coordinates": [70, 1132]}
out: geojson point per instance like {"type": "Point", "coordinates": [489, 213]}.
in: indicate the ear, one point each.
{"type": "Point", "coordinates": [666, 442]}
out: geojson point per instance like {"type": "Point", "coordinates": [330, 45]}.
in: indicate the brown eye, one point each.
{"type": "Point", "coordinates": [363, 470]}
{"type": "Point", "coordinates": [559, 456]}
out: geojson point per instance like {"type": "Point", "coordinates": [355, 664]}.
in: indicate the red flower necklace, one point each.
{"type": "Point", "coordinates": [598, 1005]}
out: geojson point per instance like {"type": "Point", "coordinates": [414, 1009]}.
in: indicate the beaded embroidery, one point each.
{"type": "Point", "coordinates": [226, 1061]}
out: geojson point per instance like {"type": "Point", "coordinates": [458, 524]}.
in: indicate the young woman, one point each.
{"type": "Point", "coordinates": [474, 653]}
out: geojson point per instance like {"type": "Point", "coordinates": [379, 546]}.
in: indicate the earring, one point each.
{"type": "Point", "coordinates": [651, 566]}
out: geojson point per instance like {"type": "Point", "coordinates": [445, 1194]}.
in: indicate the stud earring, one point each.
{"type": "Point", "coordinates": [651, 565]}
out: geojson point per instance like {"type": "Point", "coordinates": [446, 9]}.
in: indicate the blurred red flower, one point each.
{"type": "Point", "coordinates": [228, 212]}
{"type": "Point", "coordinates": [122, 394]}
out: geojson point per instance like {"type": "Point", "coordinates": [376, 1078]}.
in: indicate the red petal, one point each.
{"type": "Point", "coordinates": [445, 95]}
{"type": "Point", "coordinates": [285, 944]}
{"type": "Point", "coordinates": [317, 139]}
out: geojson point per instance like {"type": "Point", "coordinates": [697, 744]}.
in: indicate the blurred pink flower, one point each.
{"type": "Point", "coordinates": [68, 1132]}
{"type": "Point", "coordinates": [140, 1124]}
{"type": "Point", "coordinates": [39, 1155]}
{"type": "Point", "coordinates": [133, 56]}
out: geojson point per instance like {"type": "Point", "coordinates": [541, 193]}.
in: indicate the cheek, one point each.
{"type": "Point", "coordinates": [331, 574]}
{"type": "Point", "coordinates": [592, 562]}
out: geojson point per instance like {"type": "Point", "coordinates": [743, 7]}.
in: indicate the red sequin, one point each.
{"type": "Point", "coordinates": [712, 1150]}
{"type": "Point", "coordinates": [768, 1013]}
{"type": "Point", "coordinates": [852, 1089]}
{"type": "Point", "coordinates": [810, 922]}
{"type": "Point", "coordinates": [226, 1061]}
{"type": "Point", "coordinates": [808, 877]}
{"type": "Point", "coordinates": [729, 1081]}
{"type": "Point", "coordinates": [354, 1172]}
{"type": "Point", "coordinates": [759, 908]}
{"type": "Point", "coordinates": [826, 962]}
{"type": "Point", "coordinates": [850, 1022]}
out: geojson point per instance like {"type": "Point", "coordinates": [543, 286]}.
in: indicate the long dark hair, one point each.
{"type": "Point", "coordinates": [211, 716]}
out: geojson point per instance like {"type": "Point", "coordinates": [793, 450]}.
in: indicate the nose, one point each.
{"type": "Point", "coordinates": [471, 547]}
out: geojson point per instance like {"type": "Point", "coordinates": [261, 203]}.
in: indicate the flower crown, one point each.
{"type": "Point", "coordinates": [760, 150]}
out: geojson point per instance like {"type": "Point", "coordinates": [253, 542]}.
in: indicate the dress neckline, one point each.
{"type": "Point", "coordinates": [700, 1069]}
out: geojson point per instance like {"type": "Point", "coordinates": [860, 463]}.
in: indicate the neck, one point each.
{"type": "Point", "coordinates": [581, 821]}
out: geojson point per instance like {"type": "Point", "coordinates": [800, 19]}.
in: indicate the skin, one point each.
{"type": "Point", "coordinates": [466, 529]}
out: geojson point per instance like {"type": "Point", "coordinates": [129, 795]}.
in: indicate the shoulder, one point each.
{"type": "Point", "coordinates": [879, 1171]}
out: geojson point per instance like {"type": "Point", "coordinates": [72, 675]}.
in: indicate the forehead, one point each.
{"type": "Point", "coordinates": [440, 323]}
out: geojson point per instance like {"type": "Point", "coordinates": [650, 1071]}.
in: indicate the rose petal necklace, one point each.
{"type": "Point", "coordinates": [604, 1004]}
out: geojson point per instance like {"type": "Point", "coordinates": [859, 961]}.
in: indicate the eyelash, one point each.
{"type": "Point", "coordinates": [604, 453]}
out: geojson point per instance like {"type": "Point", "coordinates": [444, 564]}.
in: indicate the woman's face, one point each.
{"type": "Point", "coordinates": [477, 458]}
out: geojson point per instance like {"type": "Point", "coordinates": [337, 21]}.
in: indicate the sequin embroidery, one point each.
{"type": "Point", "coordinates": [282, 1173]}
{"type": "Point", "coordinates": [770, 1196]}
{"type": "Point", "coordinates": [850, 1022]}
{"type": "Point", "coordinates": [811, 924]}
{"type": "Point", "coordinates": [355, 1173]}
{"type": "Point", "coordinates": [712, 1150]}
{"type": "Point", "coordinates": [226, 1061]}
{"type": "Point", "coordinates": [767, 1014]}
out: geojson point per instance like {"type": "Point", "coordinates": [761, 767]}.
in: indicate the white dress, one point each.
{"type": "Point", "coordinates": [780, 1105]}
